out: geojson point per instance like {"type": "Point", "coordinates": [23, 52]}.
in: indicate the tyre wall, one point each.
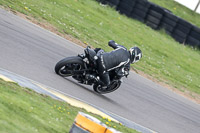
{"type": "Point", "coordinates": [157, 18]}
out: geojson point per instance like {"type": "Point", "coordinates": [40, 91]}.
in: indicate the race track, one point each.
{"type": "Point", "coordinates": [32, 52]}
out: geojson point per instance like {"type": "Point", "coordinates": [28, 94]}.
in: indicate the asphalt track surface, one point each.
{"type": "Point", "coordinates": [32, 52]}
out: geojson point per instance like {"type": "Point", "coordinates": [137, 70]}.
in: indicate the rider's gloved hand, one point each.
{"type": "Point", "coordinates": [111, 42]}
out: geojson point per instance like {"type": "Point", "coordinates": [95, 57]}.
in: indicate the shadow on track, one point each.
{"type": "Point", "coordinates": [91, 91]}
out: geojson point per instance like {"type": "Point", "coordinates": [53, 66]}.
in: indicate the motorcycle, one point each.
{"type": "Point", "coordinates": [79, 66]}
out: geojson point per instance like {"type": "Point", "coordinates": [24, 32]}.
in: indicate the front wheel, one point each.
{"type": "Point", "coordinates": [112, 87]}
{"type": "Point", "coordinates": [66, 66]}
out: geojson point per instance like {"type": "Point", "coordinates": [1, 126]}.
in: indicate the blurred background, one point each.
{"type": "Point", "coordinates": [192, 4]}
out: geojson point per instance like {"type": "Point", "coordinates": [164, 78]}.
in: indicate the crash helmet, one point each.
{"type": "Point", "coordinates": [136, 54]}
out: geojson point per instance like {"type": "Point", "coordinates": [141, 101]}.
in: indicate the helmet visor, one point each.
{"type": "Point", "coordinates": [137, 58]}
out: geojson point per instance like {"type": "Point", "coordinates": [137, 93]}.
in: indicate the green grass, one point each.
{"type": "Point", "coordinates": [163, 58]}
{"type": "Point", "coordinates": [25, 111]}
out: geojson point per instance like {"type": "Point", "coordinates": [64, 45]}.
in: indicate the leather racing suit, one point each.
{"type": "Point", "coordinates": [118, 59]}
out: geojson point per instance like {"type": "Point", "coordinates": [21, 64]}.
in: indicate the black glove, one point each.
{"type": "Point", "coordinates": [112, 44]}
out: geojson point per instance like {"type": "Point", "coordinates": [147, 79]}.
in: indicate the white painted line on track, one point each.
{"type": "Point", "coordinates": [77, 103]}
{"type": "Point", "coordinates": [6, 78]}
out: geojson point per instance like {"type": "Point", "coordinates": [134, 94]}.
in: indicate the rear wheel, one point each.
{"type": "Point", "coordinates": [66, 66]}
{"type": "Point", "coordinates": [112, 87]}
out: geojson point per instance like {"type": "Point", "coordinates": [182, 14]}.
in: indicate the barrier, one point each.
{"type": "Point", "coordinates": [85, 123]}
{"type": "Point", "coordinates": [140, 10]}
{"type": "Point", "coordinates": [126, 6]}
{"type": "Point", "coordinates": [157, 18]}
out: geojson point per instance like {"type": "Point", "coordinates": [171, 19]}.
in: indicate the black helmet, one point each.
{"type": "Point", "coordinates": [136, 54]}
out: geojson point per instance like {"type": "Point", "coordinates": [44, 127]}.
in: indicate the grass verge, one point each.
{"type": "Point", "coordinates": [25, 111]}
{"type": "Point", "coordinates": [163, 58]}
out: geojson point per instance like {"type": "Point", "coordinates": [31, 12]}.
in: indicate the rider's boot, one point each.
{"type": "Point", "coordinates": [96, 80]}
{"type": "Point", "coordinates": [91, 78]}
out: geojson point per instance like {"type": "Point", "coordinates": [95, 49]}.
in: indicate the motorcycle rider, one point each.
{"type": "Point", "coordinates": [119, 59]}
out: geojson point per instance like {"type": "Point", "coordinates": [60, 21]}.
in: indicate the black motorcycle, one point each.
{"type": "Point", "coordinates": [79, 66]}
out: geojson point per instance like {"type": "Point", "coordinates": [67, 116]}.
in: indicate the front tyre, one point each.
{"type": "Point", "coordinates": [66, 66]}
{"type": "Point", "coordinates": [112, 87]}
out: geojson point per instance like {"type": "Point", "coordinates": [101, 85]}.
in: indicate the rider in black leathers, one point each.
{"type": "Point", "coordinates": [119, 59]}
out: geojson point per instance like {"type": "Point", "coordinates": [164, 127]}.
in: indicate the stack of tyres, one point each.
{"type": "Point", "coordinates": [158, 17]}
{"type": "Point", "coordinates": [194, 37]}
{"type": "Point", "coordinates": [126, 6]}
{"type": "Point", "coordinates": [154, 16]}
{"type": "Point", "coordinates": [112, 3]}
{"type": "Point", "coordinates": [169, 22]}
{"type": "Point", "coordinates": [181, 30]}
{"type": "Point", "coordinates": [140, 10]}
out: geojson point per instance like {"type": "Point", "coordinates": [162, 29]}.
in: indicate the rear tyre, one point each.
{"type": "Point", "coordinates": [66, 66]}
{"type": "Point", "coordinates": [112, 87]}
